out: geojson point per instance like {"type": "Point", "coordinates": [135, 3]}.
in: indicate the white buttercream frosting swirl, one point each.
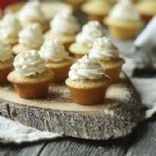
{"type": "Point", "coordinates": [90, 32]}
{"type": "Point", "coordinates": [65, 23]}
{"type": "Point", "coordinates": [124, 10]}
{"type": "Point", "coordinates": [29, 63]}
{"type": "Point", "coordinates": [53, 50]}
{"type": "Point", "coordinates": [102, 48]}
{"type": "Point", "coordinates": [9, 27]}
{"type": "Point", "coordinates": [86, 68]}
{"type": "Point", "coordinates": [31, 36]}
{"type": "Point", "coordinates": [31, 12]}
{"type": "Point", "coordinates": [5, 52]}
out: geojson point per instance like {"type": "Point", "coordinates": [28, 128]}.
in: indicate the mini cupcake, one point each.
{"type": "Point", "coordinates": [31, 78]}
{"type": "Point", "coordinates": [87, 81]}
{"type": "Point", "coordinates": [108, 56]}
{"type": "Point", "coordinates": [9, 29]}
{"type": "Point", "coordinates": [32, 13]}
{"type": "Point", "coordinates": [124, 21]}
{"type": "Point", "coordinates": [57, 58]}
{"type": "Point", "coordinates": [64, 26]}
{"type": "Point", "coordinates": [97, 9]}
{"type": "Point", "coordinates": [84, 39]}
{"type": "Point", "coordinates": [30, 38]}
{"type": "Point", "coordinates": [147, 9]}
{"type": "Point", "coordinates": [6, 62]}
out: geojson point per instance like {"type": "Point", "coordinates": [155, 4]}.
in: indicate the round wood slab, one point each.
{"type": "Point", "coordinates": [115, 117]}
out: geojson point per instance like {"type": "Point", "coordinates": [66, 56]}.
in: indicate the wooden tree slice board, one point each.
{"type": "Point", "coordinates": [115, 117]}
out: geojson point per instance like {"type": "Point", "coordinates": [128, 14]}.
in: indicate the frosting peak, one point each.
{"type": "Point", "coordinates": [29, 64]}
{"type": "Point", "coordinates": [9, 27]}
{"type": "Point", "coordinates": [124, 10]}
{"type": "Point", "coordinates": [65, 23]}
{"type": "Point", "coordinates": [86, 68]}
{"type": "Point", "coordinates": [102, 48]}
{"type": "Point", "coordinates": [31, 12]}
{"type": "Point", "coordinates": [31, 36]}
{"type": "Point", "coordinates": [53, 50]}
{"type": "Point", "coordinates": [90, 31]}
{"type": "Point", "coordinates": [5, 52]}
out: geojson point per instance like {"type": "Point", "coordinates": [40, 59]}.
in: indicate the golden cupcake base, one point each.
{"type": "Point", "coordinates": [123, 30]}
{"type": "Point", "coordinates": [78, 50]}
{"type": "Point", "coordinates": [31, 87]}
{"type": "Point", "coordinates": [87, 92]}
{"type": "Point", "coordinates": [113, 68]}
{"type": "Point", "coordinates": [32, 91]}
{"type": "Point", "coordinates": [60, 69]}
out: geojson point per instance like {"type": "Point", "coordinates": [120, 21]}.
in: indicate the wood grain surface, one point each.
{"type": "Point", "coordinates": [116, 117]}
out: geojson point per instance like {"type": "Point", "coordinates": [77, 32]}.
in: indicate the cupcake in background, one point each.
{"type": "Point", "coordinates": [124, 21]}
{"type": "Point", "coordinates": [6, 61]}
{"type": "Point", "coordinates": [31, 78]}
{"type": "Point", "coordinates": [97, 9]}
{"type": "Point", "coordinates": [32, 13]}
{"type": "Point", "coordinates": [108, 56]}
{"type": "Point", "coordinates": [30, 38]}
{"type": "Point", "coordinates": [147, 9]}
{"type": "Point", "coordinates": [9, 29]}
{"type": "Point", "coordinates": [64, 26]}
{"type": "Point", "coordinates": [56, 58]}
{"type": "Point", "coordinates": [85, 38]}
{"type": "Point", "coordinates": [87, 81]}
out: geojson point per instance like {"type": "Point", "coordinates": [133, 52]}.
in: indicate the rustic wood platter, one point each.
{"type": "Point", "coordinates": [116, 117]}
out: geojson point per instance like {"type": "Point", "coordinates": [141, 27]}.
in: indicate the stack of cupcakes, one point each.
{"type": "Point", "coordinates": [43, 57]}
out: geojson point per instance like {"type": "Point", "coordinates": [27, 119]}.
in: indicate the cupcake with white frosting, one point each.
{"type": "Point", "coordinates": [87, 81]}
{"type": "Point", "coordinates": [32, 13]}
{"type": "Point", "coordinates": [30, 38]}
{"type": "Point", "coordinates": [64, 26]}
{"type": "Point", "coordinates": [124, 21]}
{"type": "Point", "coordinates": [30, 77]}
{"type": "Point", "coordinates": [84, 40]}
{"type": "Point", "coordinates": [9, 29]}
{"type": "Point", "coordinates": [57, 58]}
{"type": "Point", "coordinates": [108, 56]}
{"type": "Point", "coordinates": [6, 61]}
{"type": "Point", "coordinates": [97, 9]}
